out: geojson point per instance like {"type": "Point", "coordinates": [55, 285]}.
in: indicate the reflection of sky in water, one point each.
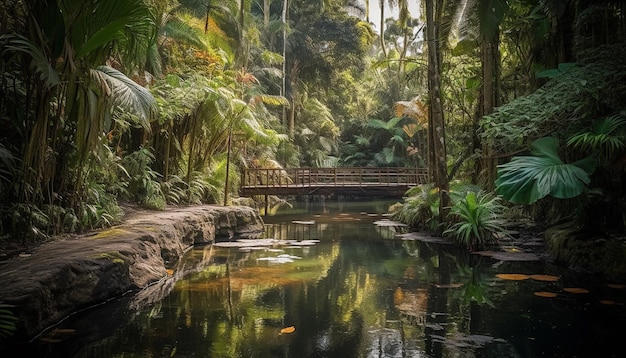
{"type": "Point", "coordinates": [358, 292]}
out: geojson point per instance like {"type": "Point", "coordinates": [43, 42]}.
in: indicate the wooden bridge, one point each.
{"type": "Point", "coordinates": [324, 181]}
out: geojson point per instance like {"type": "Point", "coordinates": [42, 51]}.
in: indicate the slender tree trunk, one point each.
{"type": "Point", "coordinates": [382, 27]}
{"type": "Point", "coordinates": [490, 59]}
{"type": "Point", "coordinates": [436, 126]}
{"type": "Point", "coordinates": [266, 12]}
{"type": "Point", "coordinates": [226, 187]}
{"type": "Point", "coordinates": [284, 88]}
{"type": "Point", "coordinates": [241, 15]}
{"type": "Point", "coordinates": [166, 154]}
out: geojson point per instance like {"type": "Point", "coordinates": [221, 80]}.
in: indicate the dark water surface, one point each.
{"type": "Point", "coordinates": [358, 292]}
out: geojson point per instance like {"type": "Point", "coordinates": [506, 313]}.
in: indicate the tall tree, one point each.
{"type": "Point", "coordinates": [436, 127]}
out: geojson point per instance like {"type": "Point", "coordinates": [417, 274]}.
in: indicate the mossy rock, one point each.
{"type": "Point", "coordinates": [603, 255]}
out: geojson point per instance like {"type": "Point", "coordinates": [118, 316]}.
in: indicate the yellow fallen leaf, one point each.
{"type": "Point", "coordinates": [169, 272]}
{"type": "Point", "coordinates": [287, 330]}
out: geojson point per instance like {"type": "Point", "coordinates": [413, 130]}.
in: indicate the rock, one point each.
{"type": "Point", "coordinates": [63, 276]}
{"type": "Point", "coordinates": [603, 255]}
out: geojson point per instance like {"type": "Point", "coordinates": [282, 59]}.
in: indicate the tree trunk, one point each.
{"type": "Point", "coordinates": [266, 12]}
{"type": "Point", "coordinates": [437, 133]}
{"type": "Point", "coordinates": [489, 58]}
{"type": "Point", "coordinates": [284, 88]}
{"type": "Point", "coordinates": [241, 15]}
{"type": "Point", "coordinates": [382, 28]}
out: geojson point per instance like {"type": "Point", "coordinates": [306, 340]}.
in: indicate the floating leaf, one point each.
{"type": "Point", "coordinates": [288, 330]}
{"type": "Point", "coordinates": [449, 285]}
{"type": "Point", "coordinates": [576, 290]}
{"type": "Point", "coordinates": [607, 302]}
{"type": "Point", "coordinates": [513, 276]}
{"type": "Point", "coordinates": [545, 294]}
{"type": "Point", "coordinates": [303, 222]}
{"type": "Point", "coordinates": [546, 278]}
{"type": "Point", "coordinates": [618, 286]}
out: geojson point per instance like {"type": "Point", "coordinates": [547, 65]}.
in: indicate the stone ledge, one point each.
{"type": "Point", "coordinates": [63, 276]}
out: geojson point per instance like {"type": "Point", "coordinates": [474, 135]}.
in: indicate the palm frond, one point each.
{"type": "Point", "coordinates": [126, 93]}
{"type": "Point", "coordinates": [183, 32]}
{"type": "Point", "coordinates": [606, 137]}
{"type": "Point", "coordinates": [40, 62]}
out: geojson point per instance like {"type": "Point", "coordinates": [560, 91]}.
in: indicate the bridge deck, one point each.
{"type": "Point", "coordinates": [323, 181]}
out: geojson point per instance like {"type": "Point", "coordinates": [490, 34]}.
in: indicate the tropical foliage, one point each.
{"type": "Point", "coordinates": [526, 179]}
{"type": "Point", "coordinates": [476, 219]}
{"type": "Point", "coordinates": [420, 208]}
{"type": "Point", "coordinates": [162, 102]}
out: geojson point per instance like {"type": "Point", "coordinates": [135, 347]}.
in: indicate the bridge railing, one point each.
{"type": "Point", "coordinates": [318, 177]}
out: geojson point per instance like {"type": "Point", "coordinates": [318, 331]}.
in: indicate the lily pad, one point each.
{"type": "Point", "coordinates": [545, 294]}
{"type": "Point", "coordinates": [618, 286]}
{"type": "Point", "coordinates": [545, 278]}
{"type": "Point", "coordinates": [513, 276]}
{"type": "Point", "coordinates": [449, 285]}
{"type": "Point", "coordinates": [250, 243]}
{"type": "Point", "coordinates": [303, 242]}
{"type": "Point", "coordinates": [388, 223]}
{"type": "Point", "coordinates": [576, 290]}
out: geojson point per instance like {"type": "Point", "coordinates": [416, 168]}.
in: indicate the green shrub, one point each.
{"type": "Point", "coordinates": [420, 208]}
{"type": "Point", "coordinates": [475, 219]}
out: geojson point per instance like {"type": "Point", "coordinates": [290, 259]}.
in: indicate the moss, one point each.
{"type": "Point", "coordinates": [115, 257]}
{"type": "Point", "coordinates": [114, 232]}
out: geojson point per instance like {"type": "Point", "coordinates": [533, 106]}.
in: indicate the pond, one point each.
{"type": "Point", "coordinates": [327, 282]}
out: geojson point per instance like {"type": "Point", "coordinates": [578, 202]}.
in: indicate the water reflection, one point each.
{"type": "Point", "coordinates": [358, 292]}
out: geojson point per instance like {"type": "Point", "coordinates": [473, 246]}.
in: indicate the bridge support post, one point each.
{"type": "Point", "coordinates": [267, 205]}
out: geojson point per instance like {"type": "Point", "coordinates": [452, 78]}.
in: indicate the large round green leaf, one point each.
{"type": "Point", "coordinates": [526, 179]}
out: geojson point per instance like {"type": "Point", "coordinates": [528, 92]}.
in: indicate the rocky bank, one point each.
{"type": "Point", "coordinates": [65, 275]}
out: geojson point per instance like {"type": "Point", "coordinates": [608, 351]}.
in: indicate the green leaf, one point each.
{"type": "Point", "coordinates": [526, 179]}
{"type": "Point", "coordinates": [40, 62]}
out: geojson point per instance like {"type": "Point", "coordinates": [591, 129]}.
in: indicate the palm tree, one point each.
{"type": "Point", "coordinates": [76, 90]}
{"type": "Point", "coordinates": [169, 25]}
